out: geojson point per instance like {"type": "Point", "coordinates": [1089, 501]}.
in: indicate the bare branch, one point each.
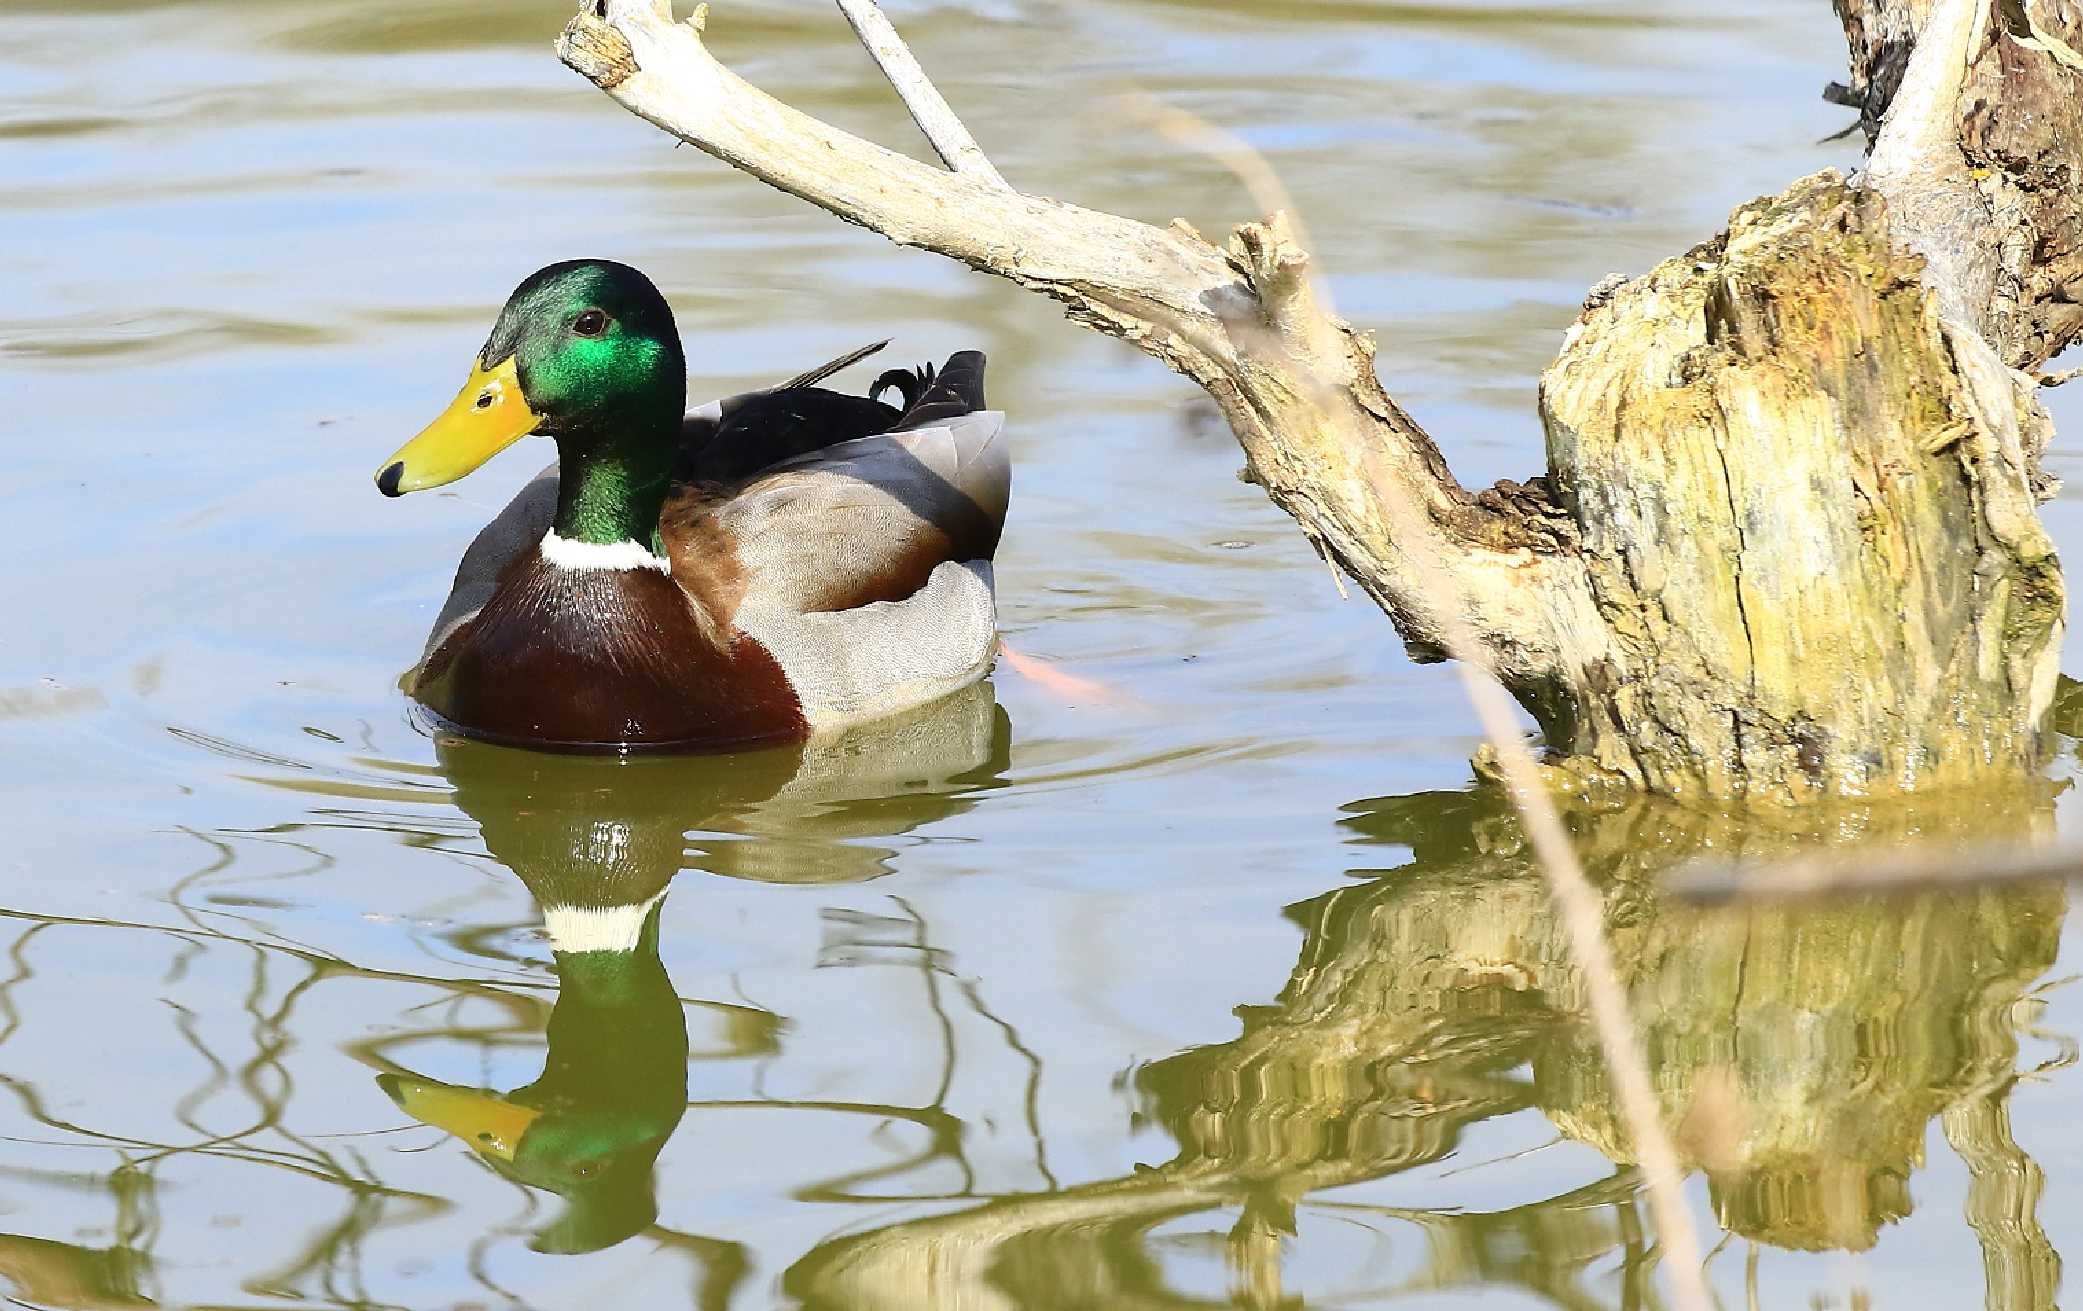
{"type": "Point", "coordinates": [951, 140]}
{"type": "Point", "coordinates": [1853, 873]}
{"type": "Point", "coordinates": [1917, 164]}
{"type": "Point", "coordinates": [662, 72]}
{"type": "Point", "coordinates": [1244, 323]}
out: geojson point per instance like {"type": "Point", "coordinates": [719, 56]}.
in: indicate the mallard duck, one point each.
{"type": "Point", "coordinates": [759, 568]}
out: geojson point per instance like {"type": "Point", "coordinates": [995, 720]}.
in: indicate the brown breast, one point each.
{"type": "Point", "coordinates": [604, 659]}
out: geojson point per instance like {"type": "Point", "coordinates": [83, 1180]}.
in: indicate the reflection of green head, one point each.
{"type": "Point", "coordinates": [612, 1090]}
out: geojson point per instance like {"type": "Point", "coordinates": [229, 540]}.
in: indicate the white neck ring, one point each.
{"type": "Point", "coordinates": [568, 554]}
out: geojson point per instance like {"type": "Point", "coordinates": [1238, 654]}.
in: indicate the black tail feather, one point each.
{"type": "Point", "coordinates": [909, 384]}
{"type": "Point", "coordinates": [955, 390]}
{"type": "Point", "coordinates": [830, 367]}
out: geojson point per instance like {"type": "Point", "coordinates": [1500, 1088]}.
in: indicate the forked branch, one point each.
{"type": "Point", "coordinates": [951, 140]}
{"type": "Point", "coordinates": [1762, 453]}
{"type": "Point", "coordinates": [1296, 384]}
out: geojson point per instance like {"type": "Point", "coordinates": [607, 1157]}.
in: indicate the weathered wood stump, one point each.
{"type": "Point", "coordinates": [1806, 503]}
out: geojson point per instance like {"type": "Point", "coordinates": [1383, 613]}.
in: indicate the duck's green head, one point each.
{"type": "Point", "coordinates": [584, 351]}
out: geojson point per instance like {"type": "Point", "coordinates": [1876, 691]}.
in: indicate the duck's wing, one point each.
{"type": "Point", "coordinates": [863, 568]}
{"type": "Point", "coordinates": [867, 519]}
{"type": "Point", "coordinates": [858, 522]}
{"type": "Point", "coordinates": [514, 529]}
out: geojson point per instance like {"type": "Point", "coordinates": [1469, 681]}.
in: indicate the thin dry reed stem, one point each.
{"type": "Point", "coordinates": [1581, 910]}
{"type": "Point", "coordinates": [1578, 903]}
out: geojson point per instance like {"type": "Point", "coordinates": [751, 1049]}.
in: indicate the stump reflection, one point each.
{"type": "Point", "coordinates": [1802, 1051]}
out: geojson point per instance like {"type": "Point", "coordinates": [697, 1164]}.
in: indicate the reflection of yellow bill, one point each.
{"type": "Point", "coordinates": [487, 416]}
{"type": "Point", "coordinates": [485, 1120]}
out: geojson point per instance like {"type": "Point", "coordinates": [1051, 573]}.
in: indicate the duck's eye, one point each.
{"type": "Point", "coordinates": [590, 324]}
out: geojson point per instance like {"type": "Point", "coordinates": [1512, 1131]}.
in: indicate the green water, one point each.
{"type": "Point", "coordinates": [1214, 986]}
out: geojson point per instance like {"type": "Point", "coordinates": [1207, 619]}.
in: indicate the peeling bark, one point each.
{"type": "Point", "coordinates": [1806, 503]}
{"type": "Point", "coordinates": [1787, 544]}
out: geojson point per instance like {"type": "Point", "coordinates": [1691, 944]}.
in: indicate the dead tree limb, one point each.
{"type": "Point", "coordinates": [2012, 134]}
{"type": "Point", "coordinates": [1242, 323]}
{"type": "Point", "coordinates": [1787, 543]}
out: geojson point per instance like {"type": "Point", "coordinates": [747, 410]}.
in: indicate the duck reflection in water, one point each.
{"type": "Point", "coordinates": [598, 842]}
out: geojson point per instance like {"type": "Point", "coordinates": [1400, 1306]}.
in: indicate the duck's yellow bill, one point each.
{"type": "Point", "coordinates": [485, 1120]}
{"type": "Point", "coordinates": [486, 417]}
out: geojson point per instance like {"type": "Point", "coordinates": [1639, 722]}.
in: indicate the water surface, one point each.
{"type": "Point", "coordinates": [1217, 986]}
